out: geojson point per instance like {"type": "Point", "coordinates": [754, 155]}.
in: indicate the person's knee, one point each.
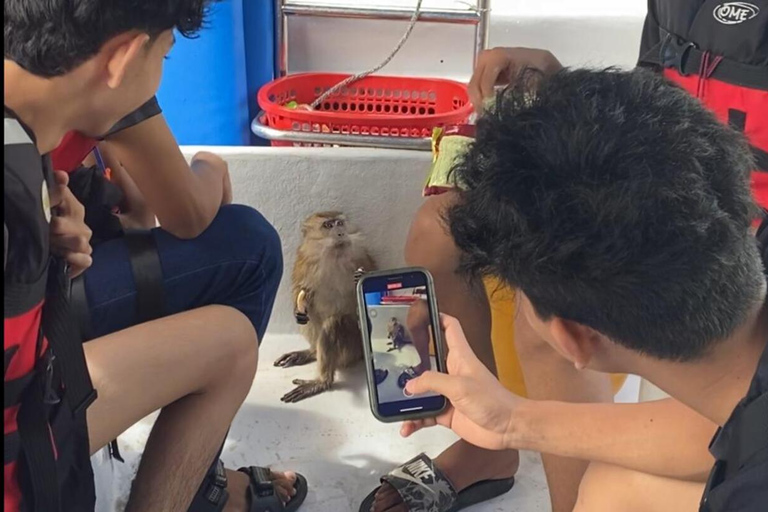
{"type": "Point", "coordinates": [602, 489]}
{"type": "Point", "coordinates": [240, 354]}
{"type": "Point", "coordinates": [250, 237]}
{"type": "Point", "coordinates": [429, 242]}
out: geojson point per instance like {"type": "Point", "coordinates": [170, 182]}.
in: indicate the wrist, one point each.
{"type": "Point", "coordinates": [519, 428]}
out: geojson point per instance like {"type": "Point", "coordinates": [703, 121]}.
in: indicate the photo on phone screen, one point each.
{"type": "Point", "coordinates": [401, 317]}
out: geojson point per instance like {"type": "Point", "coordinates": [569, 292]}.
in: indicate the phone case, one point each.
{"type": "Point", "coordinates": [366, 339]}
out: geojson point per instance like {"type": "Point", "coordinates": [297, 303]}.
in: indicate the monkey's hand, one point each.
{"type": "Point", "coordinates": [359, 273]}
{"type": "Point", "coordinates": [301, 308]}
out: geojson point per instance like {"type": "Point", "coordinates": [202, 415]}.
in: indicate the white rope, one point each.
{"type": "Point", "coordinates": [355, 78]}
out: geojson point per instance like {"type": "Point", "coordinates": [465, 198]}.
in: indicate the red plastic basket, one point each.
{"type": "Point", "coordinates": [375, 106]}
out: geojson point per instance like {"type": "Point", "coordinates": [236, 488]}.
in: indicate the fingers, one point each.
{"type": "Point", "coordinates": [411, 427]}
{"type": "Point", "coordinates": [78, 263]}
{"type": "Point", "coordinates": [475, 88]}
{"type": "Point", "coordinates": [454, 334]}
{"type": "Point", "coordinates": [61, 178]}
{"type": "Point", "coordinates": [434, 382]}
{"type": "Point", "coordinates": [70, 235]}
{"type": "Point", "coordinates": [491, 70]}
{"type": "Point", "coordinates": [66, 203]}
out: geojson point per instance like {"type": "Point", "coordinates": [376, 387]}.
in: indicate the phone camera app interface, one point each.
{"type": "Point", "coordinates": [402, 343]}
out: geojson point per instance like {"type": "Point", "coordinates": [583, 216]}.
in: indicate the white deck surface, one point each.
{"type": "Point", "coordinates": [332, 439]}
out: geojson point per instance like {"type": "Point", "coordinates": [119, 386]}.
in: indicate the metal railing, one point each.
{"type": "Point", "coordinates": [284, 9]}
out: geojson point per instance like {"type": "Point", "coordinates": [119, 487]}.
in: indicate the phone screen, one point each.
{"type": "Point", "coordinates": [402, 322]}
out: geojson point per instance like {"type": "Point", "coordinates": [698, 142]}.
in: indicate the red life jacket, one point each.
{"type": "Point", "coordinates": [47, 387]}
{"type": "Point", "coordinates": [75, 146]}
{"type": "Point", "coordinates": [718, 51]}
{"type": "Point", "coordinates": [71, 152]}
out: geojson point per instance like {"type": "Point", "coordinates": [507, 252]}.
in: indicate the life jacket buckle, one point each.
{"type": "Point", "coordinates": [674, 53]}
{"type": "Point", "coordinates": [50, 394]}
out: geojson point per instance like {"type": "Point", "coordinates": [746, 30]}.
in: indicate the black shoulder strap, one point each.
{"type": "Point", "coordinates": [65, 340]}
{"type": "Point", "coordinates": [147, 275]}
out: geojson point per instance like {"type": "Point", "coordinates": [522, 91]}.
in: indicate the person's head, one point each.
{"type": "Point", "coordinates": [620, 208]}
{"type": "Point", "coordinates": [110, 50]}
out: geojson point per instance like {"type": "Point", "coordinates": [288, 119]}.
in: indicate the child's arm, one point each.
{"type": "Point", "coordinates": [184, 202]}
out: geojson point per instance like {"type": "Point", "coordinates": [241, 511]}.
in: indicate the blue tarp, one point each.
{"type": "Point", "coordinates": [210, 83]}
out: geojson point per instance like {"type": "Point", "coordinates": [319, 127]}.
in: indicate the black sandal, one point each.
{"type": "Point", "coordinates": [213, 495]}
{"type": "Point", "coordinates": [424, 488]}
{"type": "Point", "coordinates": [262, 495]}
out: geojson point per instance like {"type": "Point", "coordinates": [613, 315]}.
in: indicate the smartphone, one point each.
{"type": "Point", "coordinates": [402, 339]}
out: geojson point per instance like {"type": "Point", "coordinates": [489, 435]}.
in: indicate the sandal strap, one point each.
{"type": "Point", "coordinates": [213, 494]}
{"type": "Point", "coordinates": [422, 486]}
{"type": "Point", "coordinates": [261, 490]}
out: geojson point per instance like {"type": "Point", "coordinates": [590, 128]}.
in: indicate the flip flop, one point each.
{"type": "Point", "coordinates": [424, 488]}
{"type": "Point", "coordinates": [380, 375]}
{"type": "Point", "coordinates": [261, 492]}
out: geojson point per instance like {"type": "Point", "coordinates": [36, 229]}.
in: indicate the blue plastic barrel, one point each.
{"type": "Point", "coordinates": [205, 92]}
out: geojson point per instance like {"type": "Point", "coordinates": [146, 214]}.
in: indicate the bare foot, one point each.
{"type": "Point", "coordinates": [463, 464]}
{"type": "Point", "coordinates": [237, 486]}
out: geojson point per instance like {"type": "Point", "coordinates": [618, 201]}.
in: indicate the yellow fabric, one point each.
{"type": "Point", "coordinates": [502, 301]}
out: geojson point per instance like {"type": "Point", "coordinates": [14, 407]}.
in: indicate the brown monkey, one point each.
{"type": "Point", "coordinates": [330, 259]}
{"type": "Point", "coordinates": [397, 333]}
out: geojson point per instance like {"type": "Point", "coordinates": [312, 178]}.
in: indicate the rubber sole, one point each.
{"type": "Point", "coordinates": [472, 495]}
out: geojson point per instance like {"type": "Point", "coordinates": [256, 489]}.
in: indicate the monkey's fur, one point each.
{"type": "Point", "coordinates": [324, 276]}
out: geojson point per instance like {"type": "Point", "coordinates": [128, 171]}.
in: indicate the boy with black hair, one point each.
{"type": "Point", "coordinates": [82, 68]}
{"type": "Point", "coordinates": [718, 52]}
{"type": "Point", "coordinates": [621, 210]}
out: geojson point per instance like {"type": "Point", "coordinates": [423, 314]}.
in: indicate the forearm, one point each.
{"type": "Point", "coordinates": [184, 202]}
{"type": "Point", "coordinates": [662, 438]}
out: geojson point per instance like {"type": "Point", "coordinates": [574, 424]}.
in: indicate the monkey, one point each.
{"type": "Point", "coordinates": [331, 258]}
{"type": "Point", "coordinates": [397, 333]}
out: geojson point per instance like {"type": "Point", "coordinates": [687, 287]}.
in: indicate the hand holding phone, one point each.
{"type": "Point", "coordinates": [481, 411]}
{"type": "Point", "coordinates": [402, 340]}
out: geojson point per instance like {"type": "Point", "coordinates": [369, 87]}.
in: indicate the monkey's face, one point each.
{"type": "Point", "coordinates": [329, 229]}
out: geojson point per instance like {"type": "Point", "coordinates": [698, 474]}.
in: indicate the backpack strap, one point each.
{"type": "Point", "coordinates": [147, 275]}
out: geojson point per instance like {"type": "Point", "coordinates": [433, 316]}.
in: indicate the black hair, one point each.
{"type": "Point", "coordinates": [51, 37]}
{"type": "Point", "coordinates": [616, 200]}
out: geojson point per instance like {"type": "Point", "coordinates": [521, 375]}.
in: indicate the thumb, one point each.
{"type": "Point", "coordinates": [61, 178]}
{"type": "Point", "coordinates": [434, 382]}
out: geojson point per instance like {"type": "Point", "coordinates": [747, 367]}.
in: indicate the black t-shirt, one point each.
{"type": "Point", "coordinates": [739, 480]}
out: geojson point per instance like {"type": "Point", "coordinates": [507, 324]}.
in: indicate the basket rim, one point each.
{"type": "Point", "coordinates": [270, 107]}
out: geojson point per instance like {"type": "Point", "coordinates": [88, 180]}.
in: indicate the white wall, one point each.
{"type": "Point", "coordinates": [579, 32]}
{"type": "Point", "coordinates": [379, 189]}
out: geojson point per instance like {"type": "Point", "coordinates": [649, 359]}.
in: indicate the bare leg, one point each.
{"type": "Point", "coordinates": [418, 326]}
{"type": "Point", "coordinates": [431, 246]}
{"type": "Point", "coordinates": [548, 376]}
{"type": "Point", "coordinates": [608, 488]}
{"type": "Point", "coordinates": [198, 367]}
